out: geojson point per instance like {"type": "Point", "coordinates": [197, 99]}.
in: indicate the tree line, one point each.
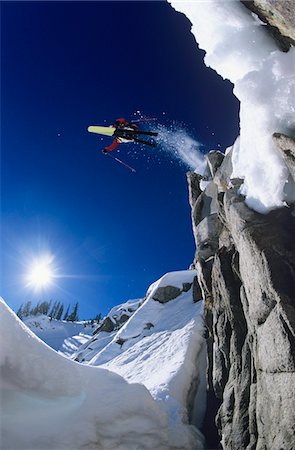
{"type": "Point", "coordinates": [54, 310]}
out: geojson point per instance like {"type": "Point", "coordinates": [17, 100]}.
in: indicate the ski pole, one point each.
{"type": "Point", "coordinates": [144, 120]}
{"type": "Point", "coordinates": [121, 162]}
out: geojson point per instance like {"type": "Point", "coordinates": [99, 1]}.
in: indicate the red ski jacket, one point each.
{"type": "Point", "coordinates": [120, 123]}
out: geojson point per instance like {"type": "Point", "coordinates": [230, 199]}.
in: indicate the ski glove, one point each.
{"type": "Point", "coordinates": [104, 151]}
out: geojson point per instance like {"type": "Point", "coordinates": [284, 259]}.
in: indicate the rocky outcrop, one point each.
{"type": "Point", "coordinates": [118, 316]}
{"type": "Point", "coordinates": [279, 17]}
{"type": "Point", "coordinates": [166, 293]}
{"type": "Point", "coordinates": [246, 270]}
{"type": "Point", "coordinates": [286, 145]}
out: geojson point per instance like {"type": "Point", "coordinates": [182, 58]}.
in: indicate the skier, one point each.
{"type": "Point", "coordinates": [123, 131]}
{"type": "Point", "coordinates": [121, 134]}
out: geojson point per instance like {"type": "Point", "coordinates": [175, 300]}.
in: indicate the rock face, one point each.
{"type": "Point", "coordinates": [287, 147]}
{"type": "Point", "coordinates": [279, 17]}
{"type": "Point", "coordinates": [246, 270]}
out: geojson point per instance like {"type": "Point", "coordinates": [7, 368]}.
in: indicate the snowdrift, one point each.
{"type": "Point", "coordinates": [52, 402]}
{"type": "Point", "coordinates": [160, 346]}
{"type": "Point", "coordinates": [239, 48]}
{"type": "Point", "coordinates": [61, 335]}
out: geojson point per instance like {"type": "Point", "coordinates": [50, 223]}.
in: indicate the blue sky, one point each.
{"type": "Point", "coordinates": [67, 65]}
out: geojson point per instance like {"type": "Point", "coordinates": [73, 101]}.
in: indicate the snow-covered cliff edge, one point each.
{"type": "Point", "coordinates": [243, 222]}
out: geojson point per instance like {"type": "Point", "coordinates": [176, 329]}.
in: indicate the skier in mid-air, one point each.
{"type": "Point", "coordinates": [123, 132]}
{"type": "Point", "coordinates": [127, 132]}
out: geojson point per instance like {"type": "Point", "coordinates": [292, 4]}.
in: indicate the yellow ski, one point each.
{"type": "Point", "coordinates": [106, 131]}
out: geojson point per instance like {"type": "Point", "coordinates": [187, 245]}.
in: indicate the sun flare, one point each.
{"type": "Point", "coordinates": [40, 274]}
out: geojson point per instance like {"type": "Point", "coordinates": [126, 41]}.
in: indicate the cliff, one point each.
{"type": "Point", "coordinates": [243, 222]}
{"type": "Point", "coordinates": [246, 269]}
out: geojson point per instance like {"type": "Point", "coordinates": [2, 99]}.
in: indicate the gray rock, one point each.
{"type": "Point", "coordinates": [246, 272]}
{"type": "Point", "coordinates": [197, 292]}
{"type": "Point", "coordinates": [223, 174]}
{"type": "Point", "coordinates": [120, 341]}
{"type": "Point", "coordinates": [275, 410]}
{"type": "Point", "coordinates": [166, 293]}
{"type": "Point", "coordinates": [194, 189]}
{"type": "Point", "coordinates": [123, 318]}
{"type": "Point", "coordinates": [279, 17]}
{"type": "Point", "coordinates": [207, 237]}
{"type": "Point", "coordinates": [107, 326]}
{"type": "Point", "coordinates": [286, 146]}
{"type": "Point", "coordinates": [211, 205]}
{"type": "Point", "coordinates": [246, 275]}
{"type": "Point", "coordinates": [186, 287]}
{"type": "Point", "coordinates": [206, 204]}
{"type": "Point", "coordinates": [214, 159]}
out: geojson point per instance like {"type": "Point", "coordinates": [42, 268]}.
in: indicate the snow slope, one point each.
{"type": "Point", "coordinates": [52, 402]}
{"type": "Point", "coordinates": [116, 318]}
{"type": "Point", "coordinates": [161, 346]}
{"type": "Point", "coordinates": [59, 334]}
{"type": "Point", "coordinates": [239, 49]}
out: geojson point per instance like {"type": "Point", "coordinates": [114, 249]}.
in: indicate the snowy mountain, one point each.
{"type": "Point", "coordinates": [148, 391]}
{"type": "Point", "coordinates": [67, 336]}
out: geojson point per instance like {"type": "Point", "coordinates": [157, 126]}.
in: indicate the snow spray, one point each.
{"type": "Point", "coordinates": [176, 141]}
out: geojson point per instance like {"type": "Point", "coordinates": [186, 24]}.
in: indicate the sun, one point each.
{"type": "Point", "coordinates": [41, 273]}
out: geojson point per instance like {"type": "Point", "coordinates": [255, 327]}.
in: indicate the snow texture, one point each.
{"type": "Point", "coordinates": [49, 401]}
{"type": "Point", "coordinates": [61, 335]}
{"type": "Point", "coordinates": [239, 48]}
{"type": "Point", "coordinates": [161, 347]}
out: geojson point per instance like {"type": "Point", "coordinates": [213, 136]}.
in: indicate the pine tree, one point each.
{"type": "Point", "coordinates": [20, 311]}
{"type": "Point", "coordinates": [35, 311]}
{"type": "Point", "coordinates": [67, 313]}
{"type": "Point", "coordinates": [27, 309]}
{"type": "Point", "coordinates": [54, 310]}
{"type": "Point", "coordinates": [46, 309]}
{"type": "Point", "coordinates": [98, 317]}
{"type": "Point", "coordinates": [43, 308]}
{"type": "Point", "coordinates": [60, 311]}
{"type": "Point", "coordinates": [74, 316]}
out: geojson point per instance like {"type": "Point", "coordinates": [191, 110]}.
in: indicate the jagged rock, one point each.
{"type": "Point", "coordinates": [186, 287]}
{"type": "Point", "coordinates": [206, 204]}
{"type": "Point", "coordinates": [166, 293]}
{"type": "Point", "coordinates": [207, 236]}
{"type": "Point", "coordinates": [120, 341]}
{"type": "Point", "coordinates": [193, 180]}
{"type": "Point", "coordinates": [247, 277]}
{"type": "Point", "coordinates": [122, 319]}
{"type": "Point", "coordinates": [210, 195]}
{"type": "Point", "coordinates": [275, 405]}
{"type": "Point", "coordinates": [279, 17]}
{"type": "Point", "coordinates": [214, 159]}
{"type": "Point", "coordinates": [223, 174]}
{"type": "Point", "coordinates": [197, 292]}
{"type": "Point", "coordinates": [107, 325]}
{"type": "Point", "coordinates": [286, 145]}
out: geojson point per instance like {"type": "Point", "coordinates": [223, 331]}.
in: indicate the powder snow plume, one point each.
{"type": "Point", "coordinates": [175, 141]}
